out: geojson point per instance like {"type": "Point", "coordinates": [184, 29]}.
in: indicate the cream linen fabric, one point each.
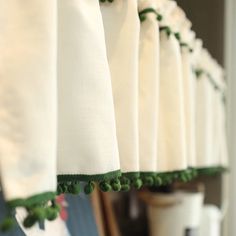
{"type": "Point", "coordinates": [189, 108]}
{"type": "Point", "coordinates": [204, 117]}
{"type": "Point", "coordinates": [219, 135]}
{"type": "Point", "coordinates": [189, 82]}
{"type": "Point", "coordinates": [180, 24]}
{"type": "Point", "coordinates": [172, 145]}
{"type": "Point", "coordinates": [122, 26]}
{"type": "Point", "coordinates": [148, 89]}
{"type": "Point", "coordinates": [165, 8]}
{"type": "Point", "coordinates": [87, 143]}
{"type": "Point", "coordinates": [216, 109]}
{"type": "Point", "coordinates": [27, 97]}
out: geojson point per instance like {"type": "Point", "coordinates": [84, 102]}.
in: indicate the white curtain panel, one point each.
{"type": "Point", "coordinates": [216, 107]}
{"type": "Point", "coordinates": [148, 88]}
{"type": "Point", "coordinates": [189, 108]}
{"type": "Point", "coordinates": [222, 120]}
{"type": "Point", "coordinates": [204, 116]}
{"type": "Point", "coordinates": [87, 144]}
{"type": "Point", "coordinates": [122, 27]}
{"type": "Point", "coordinates": [189, 82]}
{"type": "Point", "coordinates": [27, 97]}
{"type": "Point", "coordinates": [172, 145]}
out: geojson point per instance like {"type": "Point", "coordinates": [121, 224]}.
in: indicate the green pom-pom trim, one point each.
{"type": "Point", "coordinates": [166, 178]}
{"type": "Point", "coordinates": [105, 186]}
{"type": "Point", "coordinates": [137, 183]}
{"type": "Point", "coordinates": [157, 180]}
{"type": "Point", "coordinates": [62, 188]}
{"type": "Point", "coordinates": [51, 213]}
{"type": "Point", "coordinates": [7, 224]}
{"type": "Point", "coordinates": [38, 213]}
{"type": "Point", "coordinates": [166, 29]}
{"type": "Point", "coordinates": [125, 187]}
{"type": "Point", "coordinates": [159, 17]}
{"type": "Point", "coordinates": [183, 177]}
{"type": "Point", "coordinates": [144, 12]}
{"type": "Point", "coordinates": [177, 36]}
{"type": "Point", "coordinates": [115, 184]}
{"type": "Point", "coordinates": [142, 18]}
{"type": "Point", "coordinates": [59, 189]}
{"type": "Point", "coordinates": [74, 188]}
{"type": "Point", "coordinates": [148, 181]}
{"type": "Point", "coordinates": [125, 183]}
{"type": "Point", "coordinates": [29, 221]}
{"type": "Point", "coordinates": [89, 187]}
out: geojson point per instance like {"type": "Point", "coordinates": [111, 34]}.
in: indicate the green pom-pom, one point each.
{"type": "Point", "coordinates": [177, 36]}
{"type": "Point", "coordinates": [102, 0]}
{"type": "Point", "coordinates": [110, 0]}
{"type": "Point", "coordinates": [182, 177]}
{"type": "Point", "coordinates": [105, 186]}
{"type": "Point", "coordinates": [29, 221]}
{"type": "Point", "coordinates": [57, 207]}
{"type": "Point", "coordinates": [194, 173]}
{"type": "Point", "coordinates": [168, 31]}
{"type": "Point", "coordinates": [125, 183]}
{"type": "Point", "coordinates": [157, 181]}
{"type": "Point", "coordinates": [166, 179]}
{"type": "Point", "coordinates": [74, 188]}
{"type": "Point", "coordinates": [89, 187]}
{"type": "Point", "coordinates": [39, 213]}
{"type": "Point", "coordinates": [189, 176]}
{"type": "Point", "coordinates": [190, 50]}
{"type": "Point", "coordinates": [142, 17]}
{"type": "Point", "coordinates": [137, 183]}
{"type": "Point", "coordinates": [115, 184]}
{"type": "Point", "coordinates": [125, 187]}
{"type": "Point", "coordinates": [62, 188]}
{"type": "Point", "coordinates": [159, 17]}
{"type": "Point", "coordinates": [124, 180]}
{"type": "Point", "coordinates": [59, 189]}
{"type": "Point", "coordinates": [7, 224]}
{"type": "Point", "coordinates": [175, 176]}
{"type": "Point", "coordinates": [116, 187]}
{"type": "Point", "coordinates": [51, 213]}
{"type": "Point", "coordinates": [148, 180]}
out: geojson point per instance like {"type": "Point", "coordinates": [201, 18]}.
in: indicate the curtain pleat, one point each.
{"type": "Point", "coordinates": [28, 84]}
{"type": "Point", "coordinates": [148, 89]}
{"type": "Point", "coordinates": [122, 27]}
{"type": "Point", "coordinates": [87, 144]}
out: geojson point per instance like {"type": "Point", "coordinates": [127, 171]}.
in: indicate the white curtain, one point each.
{"type": "Point", "coordinates": [122, 27]}
{"type": "Point", "coordinates": [87, 144]}
{"type": "Point", "coordinates": [172, 143]}
{"type": "Point", "coordinates": [148, 88]}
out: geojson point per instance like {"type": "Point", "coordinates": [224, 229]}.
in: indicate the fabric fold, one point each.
{"type": "Point", "coordinates": [28, 98]}
{"type": "Point", "coordinates": [148, 88]}
{"type": "Point", "coordinates": [28, 109]}
{"type": "Point", "coordinates": [171, 140]}
{"type": "Point", "coordinates": [122, 26]}
{"type": "Point", "coordinates": [87, 144]}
